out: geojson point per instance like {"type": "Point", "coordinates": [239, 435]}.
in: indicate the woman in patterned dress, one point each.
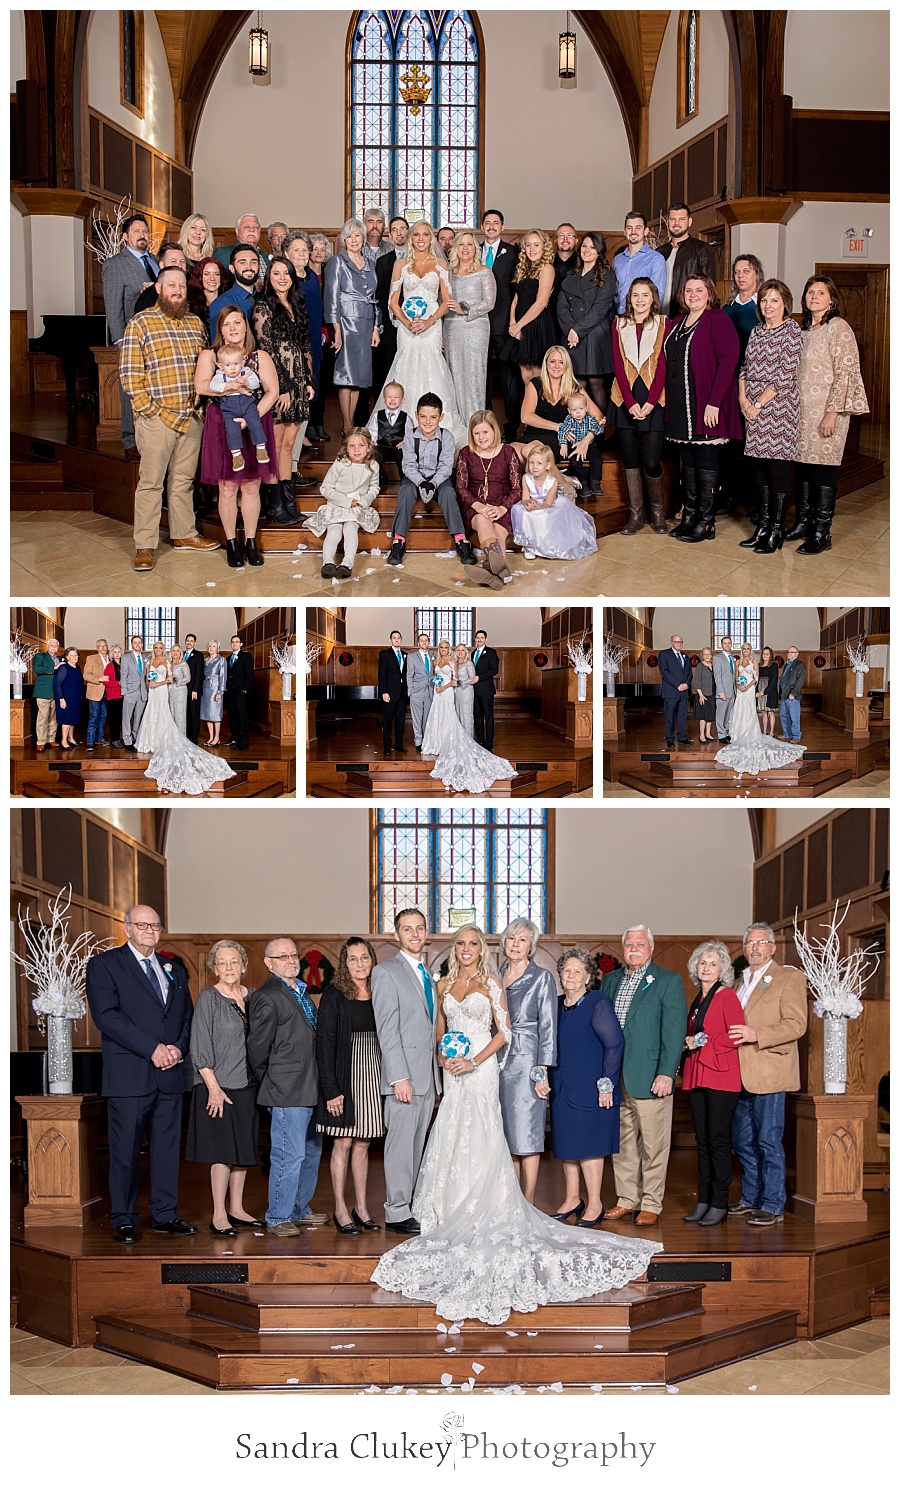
{"type": "Point", "coordinates": [281, 327]}
{"type": "Point", "coordinates": [831, 388]}
{"type": "Point", "coordinates": [770, 402]}
{"type": "Point", "coordinates": [349, 1064]}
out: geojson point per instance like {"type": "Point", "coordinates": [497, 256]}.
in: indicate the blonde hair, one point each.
{"type": "Point", "coordinates": [464, 647]}
{"type": "Point", "coordinates": [393, 383]}
{"type": "Point", "coordinates": [172, 652]}
{"type": "Point", "coordinates": [484, 958]}
{"type": "Point", "coordinates": [525, 269]}
{"type": "Point", "coordinates": [568, 384]}
{"type": "Point", "coordinates": [544, 453]}
{"type": "Point", "coordinates": [485, 416]}
{"type": "Point", "coordinates": [432, 238]}
{"type": "Point", "coordinates": [209, 242]}
{"type": "Point", "coordinates": [453, 255]}
{"type": "Point", "coordinates": [441, 644]}
{"type": "Point", "coordinates": [158, 645]}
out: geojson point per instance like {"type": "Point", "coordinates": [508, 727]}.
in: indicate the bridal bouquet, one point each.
{"type": "Point", "coordinates": [153, 674]}
{"type": "Point", "coordinates": [454, 1045]}
{"type": "Point", "coordinates": [415, 308]}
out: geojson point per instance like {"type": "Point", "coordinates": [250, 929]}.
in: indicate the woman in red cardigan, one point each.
{"type": "Point", "coordinates": [712, 1077]}
{"type": "Point", "coordinates": [638, 395]}
{"type": "Point", "coordinates": [702, 351]}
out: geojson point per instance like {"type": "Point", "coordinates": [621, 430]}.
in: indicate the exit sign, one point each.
{"type": "Point", "coordinates": [855, 247]}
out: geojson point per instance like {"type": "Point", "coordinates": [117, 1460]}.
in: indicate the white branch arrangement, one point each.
{"type": "Point", "coordinates": [56, 966]}
{"type": "Point", "coordinates": [837, 982]}
{"type": "Point", "coordinates": [21, 654]}
{"type": "Point", "coordinates": [285, 658]}
{"type": "Point", "coordinates": [613, 655]}
{"type": "Point", "coordinates": [858, 654]}
{"type": "Point", "coordinates": [313, 651]}
{"type": "Point", "coordinates": [581, 655]}
{"type": "Point", "coordinates": [105, 237]}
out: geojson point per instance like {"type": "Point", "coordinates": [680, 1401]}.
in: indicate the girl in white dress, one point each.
{"type": "Point", "coordinates": [462, 765]}
{"type": "Point", "coordinates": [751, 751]}
{"type": "Point", "coordinates": [545, 523]}
{"type": "Point", "coordinates": [420, 295]}
{"type": "Point", "coordinates": [349, 489]}
{"type": "Point", "coordinates": [484, 1250]}
{"type": "Point", "coordinates": [178, 766]}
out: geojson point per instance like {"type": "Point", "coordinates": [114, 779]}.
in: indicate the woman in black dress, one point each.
{"type": "Point", "coordinates": [531, 325]}
{"type": "Point", "coordinates": [223, 1131]}
{"type": "Point", "coordinates": [281, 327]}
{"type": "Point", "coordinates": [705, 695]}
{"type": "Point", "coordinates": [586, 297]}
{"type": "Point", "coordinates": [768, 702]}
{"type": "Point", "coordinates": [349, 1063]}
{"type": "Point", "coordinates": [544, 407]}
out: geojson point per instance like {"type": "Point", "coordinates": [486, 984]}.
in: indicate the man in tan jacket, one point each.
{"type": "Point", "coordinates": [774, 1000]}
{"type": "Point", "coordinates": [95, 689]}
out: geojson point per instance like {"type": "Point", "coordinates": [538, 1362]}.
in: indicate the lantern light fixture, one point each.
{"type": "Point", "coordinates": [259, 49]}
{"type": "Point", "coordinates": [567, 50]}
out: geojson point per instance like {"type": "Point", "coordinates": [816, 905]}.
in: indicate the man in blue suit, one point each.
{"type": "Point", "coordinates": [675, 675]}
{"type": "Point", "coordinates": [142, 1007]}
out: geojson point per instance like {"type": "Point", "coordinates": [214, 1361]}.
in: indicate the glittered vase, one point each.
{"type": "Point", "coordinates": [610, 683]}
{"type": "Point", "coordinates": [59, 1054]}
{"type": "Point", "coordinates": [582, 686]}
{"type": "Point", "coordinates": [860, 683]}
{"type": "Point", "coordinates": [286, 686]}
{"type": "Point", "coordinates": [835, 1054]}
{"type": "Point", "coordinates": [17, 679]}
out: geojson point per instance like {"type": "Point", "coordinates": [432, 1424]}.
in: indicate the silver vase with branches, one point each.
{"type": "Point", "coordinates": [837, 982]}
{"type": "Point", "coordinates": [581, 657]}
{"type": "Point", "coordinates": [285, 658]}
{"type": "Point", "coordinates": [613, 657]}
{"type": "Point", "coordinates": [21, 655]}
{"type": "Point", "coordinates": [858, 654]}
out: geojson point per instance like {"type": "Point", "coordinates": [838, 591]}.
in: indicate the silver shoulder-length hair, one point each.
{"type": "Point", "coordinates": [348, 227]}
{"type": "Point", "coordinates": [319, 237]}
{"type": "Point", "coordinates": [225, 944]}
{"type": "Point", "coordinates": [712, 947]}
{"type": "Point", "coordinates": [521, 926]}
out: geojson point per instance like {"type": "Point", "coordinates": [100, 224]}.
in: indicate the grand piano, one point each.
{"type": "Point", "coordinates": [70, 337]}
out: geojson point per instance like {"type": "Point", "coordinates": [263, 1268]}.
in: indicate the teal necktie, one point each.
{"type": "Point", "coordinates": [426, 987]}
{"type": "Point", "coordinates": [427, 666]}
{"type": "Point", "coordinates": [489, 257]}
{"type": "Point", "coordinates": [140, 667]}
{"type": "Point", "coordinates": [399, 655]}
{"type": "Point", "coordinates": [731, 662]}
{"type": "Point", "coordinates": [475, 657]}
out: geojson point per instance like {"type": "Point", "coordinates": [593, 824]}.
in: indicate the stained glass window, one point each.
{"type": "Point", "coordinates": [151, 624]}
{"type": "Point", "coordinates": [454, 624]}
{"type": "Point", "coordinates": [688, 65]}
{"type": "Point", "coordinates": [489, 863]}
{"type": "Point", "coordinates": [414, 124]}
{"type": "Point", "coordinates": [743, 625]}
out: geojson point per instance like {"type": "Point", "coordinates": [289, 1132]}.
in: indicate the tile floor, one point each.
{"type": "Point", "coordinates": [878, 783]}
{"type": "Point", "coordinates": [852, 1361]}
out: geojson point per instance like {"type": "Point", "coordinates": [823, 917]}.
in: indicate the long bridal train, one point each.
{"type": "Point", "coordinates": [462, 764]}
{"type": "Point", "coordinates": [178, 766]}
{"type": "Point", "coordinates": [751, 751]}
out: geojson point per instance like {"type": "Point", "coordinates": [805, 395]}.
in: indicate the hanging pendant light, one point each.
{"type": "Point", "coordinates": [567, 50]}
{"type": "Point", "coordinates": [259, 49]}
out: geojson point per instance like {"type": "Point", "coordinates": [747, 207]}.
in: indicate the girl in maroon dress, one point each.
{"type": "Point", "coordinates": [488, 485]}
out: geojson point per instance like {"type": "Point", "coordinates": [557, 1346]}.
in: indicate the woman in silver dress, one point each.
{"type": "Point", "coordinates": [464, 697]}
{"type": "Point", "coordinates": [531, 998]}
{"type": "Point", "coordinates": [181, 678]}
{"type": "Point", "coordinates": [350, 308]}
{"type": "Point", "coordinates": [467, 330]}
{"type": "Point", "coordinates": [214, 677]}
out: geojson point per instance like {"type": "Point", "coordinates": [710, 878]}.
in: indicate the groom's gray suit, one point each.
{"type": "Point", "coordinates": [724, 675]}
{"type": "Point", "coordinates": [420, 686]}
{"type": "Point", "coordinates": [406, 1037]}
{"type": "Point", "coordinates": [134, 694]}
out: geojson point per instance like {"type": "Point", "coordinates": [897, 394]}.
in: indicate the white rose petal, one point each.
{"type": "Point", "coordinates": [395, 1388]}
{"type": "Point", "coordinates": [512, 1333]}
{"type": "Point", "coordinates": [455, 1329]}
{"type": "Point", "coordinates": [446, 1377]}
{"type": "Point", "coordinates": [449, 1349]}
{"type": "Point", "coordinates": [670, 1388]}
{"type": "Point", "coordinates": [596, 1387]}
{"type": "Point", "coordinates": [556, 1387]}
{"type": "Point", "coordinates": [292, 1380]}
{"type": "Point", "coordinates": [210, 585]}
{"type": "Point", "coordinates": [477, 1367]}
{"type": "Point", "coordinates": [531, 1333]}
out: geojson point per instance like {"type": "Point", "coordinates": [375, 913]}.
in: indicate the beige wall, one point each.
{"type": "Point", "coordinates": [505, 626]}
{"type": "Point", "coordinates": [85, 622]}
{"type": "Point", "coordinates": [781, 627]}
{"type": "Point", "coordinates": [207, 622]}
{"type": "Point", "coordinates": [838, 58]}
{"type": "Point", "coordinates": [123, 818]}
{"type": "Point", "coordinates": [790, 823]}
{"type": "Point", "coordinates": [664, 136]}
{"type": "Point", "coordinates": [816, 233]}
{"type": "Point", "coordinates": [16, 48]}
{"type": "Point", "coordinates": [18, 286]}
{"type": "Point", "coordinates": [157, 126]}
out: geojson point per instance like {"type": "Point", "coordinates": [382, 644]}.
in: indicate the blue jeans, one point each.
{"type": "Point", "coordinates": [96, 721]}
{"type": "Point", "coordinates": [790, 719]}
{"type": "Point", "coordinates": [296, 1148]}
{"type": "Point", "coordinates": [757, 1133]}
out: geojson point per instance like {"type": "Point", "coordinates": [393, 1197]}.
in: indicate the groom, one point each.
{"type": "Point", "coordinates": [404, 1001]}
{"type": "Point", "coordinates": [724, 672]}
{"type": "Point", "coordinates": [487, 664]}
{"type": "Point", "coordinates": [420, 685]}
{"type": "Point", "coordinates": [133, 680]}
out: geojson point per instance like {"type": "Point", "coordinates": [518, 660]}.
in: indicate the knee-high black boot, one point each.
{"type": "Point", "coordinates": [772, 540]}
{"type": "Point", "coordinates": [800, 528]}
{"type": "Point", "coordinates": [703, 525]}
{"type": "Point", "coordinates": [690, 501]}
{"type": "Point", "coordinates": [763, 517]}
{"type": "Point", "coordinates": [820, 540]}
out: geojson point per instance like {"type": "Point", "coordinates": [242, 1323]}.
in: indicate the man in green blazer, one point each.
{"type": "Point", "coordinates": [43, 665]}
{"type": "Point", "coordinates": [651, 1006]}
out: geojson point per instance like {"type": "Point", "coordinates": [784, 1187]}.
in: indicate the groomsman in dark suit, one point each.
{"type": "Point", "coordinates": [193, 659]}
{"type": "Point", "coordinates": [237, 695]}
{"type": "Point", "coordinates": [142, 1007]}
{"type": "Point", "coordinates": [675, 675]}
{"type": "Point", "coordinates": [392, 690]}
{"type": "Point", "coordinates": [386, 350]}
{"type": "Point", "coordinates": [501, 258]}
{"type": "Point", "coordinates": [125, 276]}
{"type": "Point", "coordinates": [487, 664]}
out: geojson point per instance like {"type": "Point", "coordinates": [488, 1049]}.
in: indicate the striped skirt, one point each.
{"type": "Point", "coordinates": [365, 1083]}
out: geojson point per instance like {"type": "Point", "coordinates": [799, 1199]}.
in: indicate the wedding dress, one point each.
{"type": "Point", "coordinates": [178, 766]}
{"type": "Point", "coordinates": [751, 750]}
{"type": "Point", "coordinates": [419, 364]}
{"type": "Point", "coordinates": [484, 1251]}
{"type": "Point", "coordinates": [462, 764]}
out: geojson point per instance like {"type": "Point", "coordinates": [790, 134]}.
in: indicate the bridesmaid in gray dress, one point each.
{"type": "Point", "coordinates": [531, 998]}
{"type": "Point", "coordinates": [464, 696]}
{"type": "Point", "coordinates": [215, 674]}
{"type": "Point", "coordinates": [350, 308]}
{"type": "Point", "coordinates": [181, 678]}
{"type": "Point", "coordinates": [467, 330]}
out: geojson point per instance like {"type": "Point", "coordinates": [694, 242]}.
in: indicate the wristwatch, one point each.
{"type": "Point", "coordinates": [757, 405]}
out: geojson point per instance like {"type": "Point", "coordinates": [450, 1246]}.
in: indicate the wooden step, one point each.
{"type": "Point", "coordinates": [53, 496]}
{"type": "Point", "coordinates": [813, 782]}
{"type": "Point", "coordinates": [292, 1308]}
{"type": "Point", "coordinates": [35, 472]}
{"type": "Point", "coordinates": [225, 1357]}
{"type": "Point", "coordinates": [880, 1301]}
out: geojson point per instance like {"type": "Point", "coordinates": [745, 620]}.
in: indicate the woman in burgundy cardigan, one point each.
{"type": "Point", "coordinates": [702, 351]}
{"type": "Point", "coordinates": [712, 1077]}
{"type": "Point", "coordinates": [488, 485]}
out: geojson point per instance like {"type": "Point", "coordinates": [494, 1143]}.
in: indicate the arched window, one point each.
{"type": "Point", "coordinates": [414, 115]}
{"type": "Point", "coordinates": [688, 66]}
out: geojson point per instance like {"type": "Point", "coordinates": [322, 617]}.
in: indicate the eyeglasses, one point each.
{"type": "Point", "coordinates": [148, 928]}
{"type": "Point", "coordinates": [293, 956]}
{"type": "Point", "coordinates": [756, 943]}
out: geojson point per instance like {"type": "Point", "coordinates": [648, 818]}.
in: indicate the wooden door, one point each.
{"type": "Point", "coordinates": [864, 293]}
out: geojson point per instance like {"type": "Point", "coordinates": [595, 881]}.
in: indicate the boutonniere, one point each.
{"type": "Point", "coordinates": [649, 979]}
{"type": "Point", "coordinates": [767, 980]}
{"type": "Point", "coordinates": [168, 972]}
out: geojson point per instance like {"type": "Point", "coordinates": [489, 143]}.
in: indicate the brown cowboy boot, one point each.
{"type": "Point", "coordinates": [656, 494]}
{"type": "Point", "coordinates": [635, 483]}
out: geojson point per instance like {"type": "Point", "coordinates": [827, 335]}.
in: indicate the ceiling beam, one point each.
{"type": "Point", "coordinates": [620, 76]}
{"type": "Point", "coordinates": [204, 72]}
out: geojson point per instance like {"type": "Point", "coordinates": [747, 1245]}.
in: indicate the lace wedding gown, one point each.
{"type": "Point", "coordinates": [462, 764]}
{"type": "Point", "coordinates": [419, 364]}
{"type": "Point", "coordinates": [484, 1251]}
{"type": "Point", "coordinates": [178, 766]}
{"type": "Point", "coordinates": [751, 750]}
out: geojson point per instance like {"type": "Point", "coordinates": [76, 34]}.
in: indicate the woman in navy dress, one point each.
{"type": "Point", "coordinates": [584, 1086]}
{"type": "Point", "coordinates": [68, 689]}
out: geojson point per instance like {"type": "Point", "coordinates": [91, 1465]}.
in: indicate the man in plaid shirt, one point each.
{"type": "Point", "coordinates": [158, 358]}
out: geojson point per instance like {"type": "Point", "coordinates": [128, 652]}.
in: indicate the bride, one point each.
{"type": "Point", "coordinates": [484, 1250]}
{"type": "Point", "coordinates": [750, 750]}
{"type": "Point", "coordinates": [420, 293]}
{"type": "Point", "coordinates": [461, 764]}
{"type": "Point", "coordinates": [178, 766]}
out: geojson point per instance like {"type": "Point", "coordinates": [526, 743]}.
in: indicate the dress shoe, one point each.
{"type": "Point", "coordinates": [724, 740]}
{"type": "Point", "coordinates": [761, 1219]}
{"type": "Point", "coordinates": [41, 747]}
{"type": "Point", "coordinates": [399, 749]}
{"type": "Point", "coordinates": [223, 1232]}
{"type": "Point", "coordinates": [232, 743]}
{"type": "Point", "coordinates": [233, 554]}
{"type": "Point", "coordinates": [303, 482]}
{"type": "Point", "coordinates": [133, 455]}
{"type": "Point", "coordinates": [176, 1226]}
{"type": "Point", "coordinates": [314, 1220]}
{"type": "Point", "coordinates": [591, 1222]}
{"type": "Point", "coordinates": [646, 1219]}
{"type": "Point", "coordinates": [284, 1230]}
{"type": "Point", "coordinates": [699, 1212]}
{"type": "Point", "coordinates": [713, 1216]}
{"type": "Point", "coordinates": [328, 570]}
{"type": "Point", "coordinates": [245, 1222]}
{"type": "Point", "coordinates": [387, 753]}
{"type": "Point", "coordinates": [409, 1225]}
{"type": "Point", "coordinates": [252, 553]}
{"type": "Point", "coordinates": [466, 555]}
{"type": "Point", "coordinates": [574, 1212]}
{"type": "Point", "coordinates": [685, 742]}
{"type": "Point", "coordinates": [616, 1214]}
{"type": "Point", "coordinates": [143, 560]}
{"type": "Point", "coordinates": [126, 1233]}
{"type": "Point", "coordinates": [130, 748]}
{"type": "Point", "coordinates": [740, 1209]}
{"type": "Point", "coordinates": [343, 572]}
{"type": "Point", "coordinates": [117, 743]}
{"type": "Point", "coordinates": [670, 742]}
{"type": "Point", "coordinates": [365, 1223]}
{"type": "Point", "coordinates": [195, 544]}
{"type": "Point", "coordinates": [348, 1228]}
{"type": "Point", "coordinates": [418, 748]}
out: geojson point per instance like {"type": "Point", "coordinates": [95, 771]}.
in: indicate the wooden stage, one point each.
{"type": "Point", "coordinates": [267, 770]}
{"type": "Point", "coordinates": [262, 1312]}
{"type": "Point", "coordinates": [641, 761]}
